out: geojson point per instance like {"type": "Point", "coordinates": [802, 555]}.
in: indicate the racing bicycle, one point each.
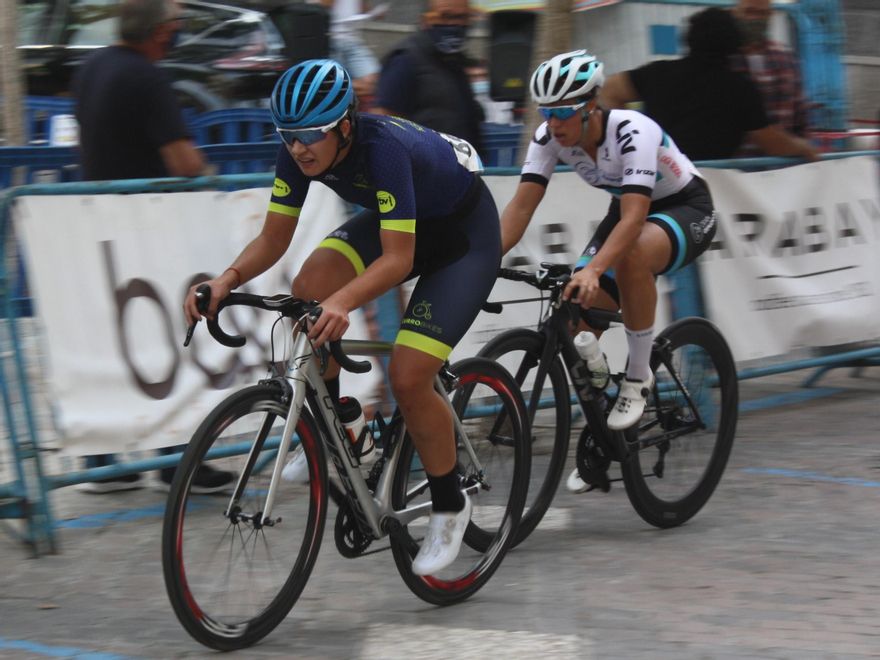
{"type": "Point", "coordinates": [235, 564]}
{"type": "Point", "coordinates": [672, 460]}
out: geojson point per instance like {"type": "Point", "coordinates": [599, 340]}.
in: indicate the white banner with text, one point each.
{"type": "Point", "coordinates": [794, 264]}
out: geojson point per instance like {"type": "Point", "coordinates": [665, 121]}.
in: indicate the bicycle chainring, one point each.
{"type": "Point", "coordinates": [592, 463]}
{"type": "Point", "coordinates": [350, 540]}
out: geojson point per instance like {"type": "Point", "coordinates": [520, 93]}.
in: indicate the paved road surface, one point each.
{"type": "Point", "coordinates": [783, 563]}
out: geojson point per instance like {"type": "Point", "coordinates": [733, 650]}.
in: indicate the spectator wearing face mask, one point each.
{"type": "Point", "coordinates": [773, 68]}
{"type": "Point", "coordinates": [425, 79]}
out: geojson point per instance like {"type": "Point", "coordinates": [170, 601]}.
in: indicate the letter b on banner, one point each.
{"type": "Point", "coordinates": [510, 54]}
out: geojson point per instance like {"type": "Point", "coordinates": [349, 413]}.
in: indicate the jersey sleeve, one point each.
{"type": "Point", "coordinates": [163, 119]}
{"type": "Point", "coordinates": [394, 90]}
{"type": "Point", "coordinates": [647, 79]}
{"type": "Point", "coordinates": [754, 115]}
{"type": "Point", "coordinates": [392, 173]}
{"type": "Point", "coordinates": [638, 140]}
{"type": "Point", "coordinates": [290, 187]}
{"type": "Point", "coordinates": [541, 157]}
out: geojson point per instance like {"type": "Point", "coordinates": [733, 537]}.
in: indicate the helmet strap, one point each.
{"type": "Point", "coordinates": [585, 117]}
{"type": "Point", "coordinates": [341, 144]}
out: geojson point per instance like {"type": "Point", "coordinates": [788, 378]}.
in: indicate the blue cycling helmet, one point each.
{"type": "Point", "coordinates": [310, 94]}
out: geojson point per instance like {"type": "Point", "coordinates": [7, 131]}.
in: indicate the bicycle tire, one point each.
{"type": "Point", "coordinates": [519, 351]}
{"type": "Point", "coordinates": [219, 606]}
{"type": "Point", "coordinates": [482, 389]}
{"type": "Point", "coordinates": [669, 481]}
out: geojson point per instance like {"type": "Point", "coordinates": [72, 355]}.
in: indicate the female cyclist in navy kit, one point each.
{"type": "Point", "coordinates": [427, 215]}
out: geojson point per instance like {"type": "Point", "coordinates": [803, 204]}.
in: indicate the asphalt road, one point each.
{"type": "Point", "coordinates": [784, 562]}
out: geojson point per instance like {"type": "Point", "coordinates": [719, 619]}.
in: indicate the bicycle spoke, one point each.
{"type": "Point", "coordinates": [683, 440]}
{"type": "Point", "coordinates": [225, 571]}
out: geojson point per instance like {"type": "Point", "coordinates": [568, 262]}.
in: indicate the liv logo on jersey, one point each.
{"type": "Point", "coordinates": [280, 188]}
{"type": "Point", "coordinates": [386, 201]}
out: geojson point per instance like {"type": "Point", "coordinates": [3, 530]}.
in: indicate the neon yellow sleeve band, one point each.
{"type": "Point", "coordinates": [290, 211]}
{"type": "Point", "coordinates": [408, 226]}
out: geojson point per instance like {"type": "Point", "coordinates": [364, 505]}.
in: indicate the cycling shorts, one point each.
{"type": "Point", "coordinates": [688, 218]}
{"type": "Point", "coordinates": [456, 262]}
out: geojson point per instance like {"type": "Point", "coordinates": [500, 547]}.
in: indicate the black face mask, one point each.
{"type": "Point", "coordinates": [448, 39]}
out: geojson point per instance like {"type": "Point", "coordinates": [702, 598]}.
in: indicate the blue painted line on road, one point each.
{"type": "Point", "coordinates": [126, 515]}
{"type": "Point", "coordinates": [814, 476]}
{"type": "Point", "coordinates": [35, 648]}
{"type": "Point", "coordinates": [104, 519]}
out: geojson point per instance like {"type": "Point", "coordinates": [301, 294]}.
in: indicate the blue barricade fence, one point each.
{"type": "Point", "coordinates": [236, 140]}
{"type": "Point", "coordinates": [26, 496]}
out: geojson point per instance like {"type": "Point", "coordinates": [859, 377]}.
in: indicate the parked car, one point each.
{"type": "Point", "coordinates": [226, 54]}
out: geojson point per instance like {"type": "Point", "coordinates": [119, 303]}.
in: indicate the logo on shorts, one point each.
{"type": "Point", "coordinates": [386, 201]}
{"type": "Point", "coordinates": [340, 234]}
{"type": "Point", "coordinates": [700, 229]}
{"type": "Point", "coordinates": [280, 188]}
{"type": "Point", "coordinates": [422, 310]}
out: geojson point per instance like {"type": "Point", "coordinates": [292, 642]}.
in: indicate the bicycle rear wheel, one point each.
{"type": "Point", "coordinates": [677, 456]}
{"type": "Point", "coordinates": [490, 406]}
{"type": "Point", "coordinates": [547, 398]}
{"type": "Point", "coordinates": [230, 576]}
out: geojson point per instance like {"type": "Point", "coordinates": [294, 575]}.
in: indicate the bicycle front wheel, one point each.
{"type": "Point", "coordinates": [493, 465]}
{"type": "Point", "coordinates": [231, 575]}
{"type": "Point", "coordinates": [677, 456]}
{"type": "Point", "coordinates": [547, 398]}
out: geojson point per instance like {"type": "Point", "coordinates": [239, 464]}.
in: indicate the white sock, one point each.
{"type": "Point", "coordinates": [639, 343]}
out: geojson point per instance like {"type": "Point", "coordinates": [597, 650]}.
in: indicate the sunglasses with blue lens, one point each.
{"type": "Point", "coordinates": [306, 136]}
{"type": "Point", "coordinates": [560, 111]}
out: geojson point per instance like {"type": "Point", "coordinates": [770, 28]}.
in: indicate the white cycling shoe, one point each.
{"type": "Point", "coordinates": [630, 404]}
{"type": "Point", "coordinates": [297, 469]}
{"type": "Point", "coordinates": [442, 540]}
{"type": "Point", "coordinates": [574, 483]}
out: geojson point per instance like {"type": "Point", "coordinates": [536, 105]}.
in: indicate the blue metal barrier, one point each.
{"type": "Point", "coordinates": [236, 126]}
{"type": "Point", "coordinates": [27, 495]}
{"type": "Point", "coordinates": [237, 140]}
{"type": "Point", "coordinates": [38, 113]}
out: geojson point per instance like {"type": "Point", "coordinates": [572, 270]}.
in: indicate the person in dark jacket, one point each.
{"type": "Point", "coordinates": [708, 108]}
{"type": "Point", "coordinates": [424, 78]}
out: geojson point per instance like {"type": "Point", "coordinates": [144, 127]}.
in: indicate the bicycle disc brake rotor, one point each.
{"type": "Point", "coordinates": [592, 464]}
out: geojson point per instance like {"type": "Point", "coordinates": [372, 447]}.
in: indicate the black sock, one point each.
{"type": "Point", "coordinates": [333, 389]}
{"type": "Point", "coordinates": [446, 493]}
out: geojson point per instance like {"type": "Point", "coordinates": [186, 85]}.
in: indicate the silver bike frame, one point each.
{"type": "Point", "coordinates": [303, 369]}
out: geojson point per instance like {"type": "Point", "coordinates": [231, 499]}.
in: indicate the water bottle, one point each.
{"type": "Point", "coordinates": [588, 348]}
{"type": "Point", "coordinates": [352, 417]}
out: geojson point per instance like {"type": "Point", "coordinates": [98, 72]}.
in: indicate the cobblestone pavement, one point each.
{"type": "Point", "coordinates": [782, 563]}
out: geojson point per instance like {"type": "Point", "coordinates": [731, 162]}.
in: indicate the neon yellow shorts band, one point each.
{"type": "Point", "coordinates": [424, 344]}
{"type": "Point", "coordinates": [347, 251]}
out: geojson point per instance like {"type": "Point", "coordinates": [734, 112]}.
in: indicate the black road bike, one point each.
{"type": "Point", "coordinates": [672, 460]}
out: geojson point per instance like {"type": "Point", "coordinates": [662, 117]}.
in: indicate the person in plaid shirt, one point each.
{"type": "Point", "coordinates": [773, 68]}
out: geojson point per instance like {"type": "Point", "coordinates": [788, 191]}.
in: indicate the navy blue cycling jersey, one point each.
{"type": "Point", "coordinates": [406, 172]}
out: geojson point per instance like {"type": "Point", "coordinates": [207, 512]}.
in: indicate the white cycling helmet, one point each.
{"type": "Point", "coordinates": [566, 76]}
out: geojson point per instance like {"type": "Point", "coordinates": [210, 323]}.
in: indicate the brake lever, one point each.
{"type": "Point", "coordinates": [203, 299]}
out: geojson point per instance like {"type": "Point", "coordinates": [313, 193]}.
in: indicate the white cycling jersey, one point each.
{"type": "Point", "coordinates": [634, 155]}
